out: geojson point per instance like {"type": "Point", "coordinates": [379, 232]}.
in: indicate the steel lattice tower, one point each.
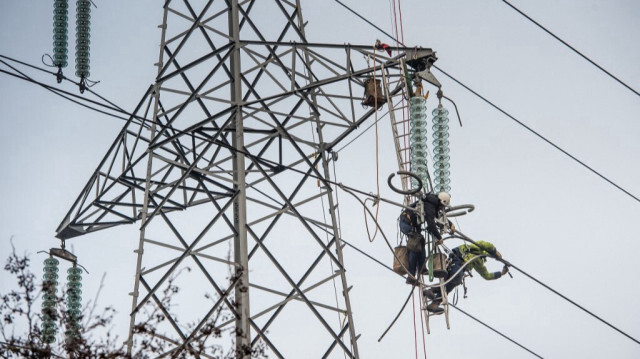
{"type": "Point", "coordinates": [225, 165]}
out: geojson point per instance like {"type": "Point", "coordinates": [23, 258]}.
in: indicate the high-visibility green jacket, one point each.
{"type": "Point", "coordinates": [468, 251]}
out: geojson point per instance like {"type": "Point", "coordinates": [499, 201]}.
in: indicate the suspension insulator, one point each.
{"type": "Point", "coordinates": [74, 303]}
{"type": "Point", "coordinates": [441, 149]}
{"type": "Point", "coordinates": [49, 300]}
{"type": "Point", "coordinates": [60, 44]}
{"type": "Point", "coordinates": [83, 39]}
{"type": "Point", "coordinates": [418, 137]}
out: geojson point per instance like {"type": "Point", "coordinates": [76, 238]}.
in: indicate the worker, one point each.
{"type": "Point", "coordinates": [458, 257]}
{"type": "Point", "coordinates": [409, 225]}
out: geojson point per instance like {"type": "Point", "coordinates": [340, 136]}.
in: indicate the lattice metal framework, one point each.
{"type": "Point", "coordinates": [238, 128]}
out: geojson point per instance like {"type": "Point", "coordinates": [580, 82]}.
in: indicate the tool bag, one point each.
{"type": "Point", "coordinates": [373, 93]}
{"type": "Point", "coordinates": [414, 242]}
{"type": "Point", "coordinates": [401, 254]}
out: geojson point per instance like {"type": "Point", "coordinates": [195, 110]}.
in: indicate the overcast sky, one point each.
{"type": "Point", "coordinates": [544, 212]}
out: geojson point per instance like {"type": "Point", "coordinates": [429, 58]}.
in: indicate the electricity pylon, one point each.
{"type": "Point", "coordinates": [225, 163]}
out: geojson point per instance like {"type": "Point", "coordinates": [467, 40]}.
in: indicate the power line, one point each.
{"type": "Point", "coordinates": [369, 22]}
{"type": "Point", "coordinates": [60, 93]}
{"type": "Point", "coordinates": [575, 304]}
{"type": "Point", "coordinates": [537, 134]}
{"type": "Point", "coordinates": [572, 48]}
{"type": "Point", "coordinates": [63, 78]}
{"type": "Point", "coordinates": [464, 237]}
{"type": "Point", "coordinates": [494, 330]}
{"type": "Point", "coordinates": [69, 96]}
{"type": "Point", "coordinates": [502, 111]}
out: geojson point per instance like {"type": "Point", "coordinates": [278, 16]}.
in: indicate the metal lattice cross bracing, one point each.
{"type": "Point", "coordinates": [225, 166]}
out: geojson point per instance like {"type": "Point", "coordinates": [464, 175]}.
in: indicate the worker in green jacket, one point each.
{"type": "Point", "coordinates": [466, 253]}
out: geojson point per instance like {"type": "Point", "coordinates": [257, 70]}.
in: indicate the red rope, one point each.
{"type": "Point", "coordinates": [401, 25]}
{"type": "Point", "coordinates": [395, 22]}
{"type": "Point", "coordinates": [415, 331]}
{"type": "Point", "coordinates": [424, 343]}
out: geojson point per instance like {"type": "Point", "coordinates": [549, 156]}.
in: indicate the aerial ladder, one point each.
{"type": "Point", "coordinates": [410, 140]}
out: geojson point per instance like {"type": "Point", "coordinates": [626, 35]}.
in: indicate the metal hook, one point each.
{"type": "Point", "coordinates": [409, 192]}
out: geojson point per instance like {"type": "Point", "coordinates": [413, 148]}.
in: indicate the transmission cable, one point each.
{"type": "Point", "coordinates": [69, 96]}
{"type": "Point", "coordinates": [501, 110]}
{"type": "Point", "coordinates": [64, 94]}
{"type": "Point", "coordinates": [572, 48]}
{"type": "Point", "coordinates": [63, 78]}
{"type": "Point", "coordinates": [538, 134]}
{"type": "Point", "coordinates": [509, 264]}
{"type": "Point", "coordinates": [494, 330]}
{"type": "Point", "coordinates": [575, 304]}
{"type": "Point", "coordinates": [138, 120]}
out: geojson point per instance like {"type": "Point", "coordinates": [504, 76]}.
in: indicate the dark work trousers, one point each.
{"type": "Point", "coordinates": [416, 259]}
{"type": "Point", "coordinates": [456, 264]}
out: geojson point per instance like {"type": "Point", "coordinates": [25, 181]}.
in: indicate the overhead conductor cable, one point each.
{"type": "Point", "coordinates": [501, 110]}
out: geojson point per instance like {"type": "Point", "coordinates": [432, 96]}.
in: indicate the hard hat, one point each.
{"type": "Point", "coordinates": [444, 198]}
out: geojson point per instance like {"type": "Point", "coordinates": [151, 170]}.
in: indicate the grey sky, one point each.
{"type": "Point", "coordinates": [543, 211]}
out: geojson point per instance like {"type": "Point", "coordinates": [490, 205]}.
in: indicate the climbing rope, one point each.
{"type": "Point", "coordinates": [424, 339]}
{"type": "Point", "coordinates": [415, 331]}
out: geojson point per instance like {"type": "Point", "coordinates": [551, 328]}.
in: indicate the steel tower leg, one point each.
{"type": "Point", "coordinates": [240, 247]}
{"type": "Point", "coordinates": [332, 204]}
{"type": "Point", "coordinates": [145, 205]}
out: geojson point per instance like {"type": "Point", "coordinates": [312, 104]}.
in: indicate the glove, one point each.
{"type": "Point", "coordinates": [505, 269]}
{"type": "Point", "coordinates": [498, 255]}
{"type": "Point", "coordinates": [452, 229]}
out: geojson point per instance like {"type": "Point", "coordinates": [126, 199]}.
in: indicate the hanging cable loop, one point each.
{"type": "Point", "coordinates": [463, 209]}
{"type": "Point", "coordinates": [410, 192]}
{"type": "Point", "coordinates": [454, 106]}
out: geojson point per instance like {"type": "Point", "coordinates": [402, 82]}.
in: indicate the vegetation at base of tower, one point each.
{"type": "Point", "coordinates": [22, 335]}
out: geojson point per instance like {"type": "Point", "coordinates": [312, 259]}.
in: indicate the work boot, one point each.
{"type": "Point", "coordinates": [412, 281]}
{"type": "Point", "coordinates": [429, 294]}
{"type": "Point", "coordinates": [434, 307]}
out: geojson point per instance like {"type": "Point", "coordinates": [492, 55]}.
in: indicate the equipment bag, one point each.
{"type": "Point", "coordinates": [402, 254]}
{"type": "Point", "coordinates": [414, 243]}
